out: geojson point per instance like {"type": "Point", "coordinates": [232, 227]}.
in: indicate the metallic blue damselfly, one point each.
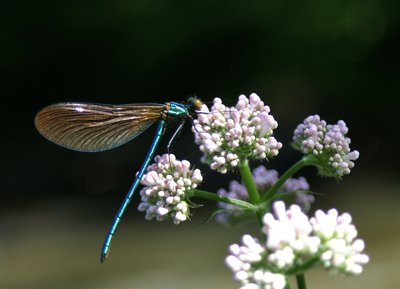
{"type": "Point", "coordinates": [90, 127]}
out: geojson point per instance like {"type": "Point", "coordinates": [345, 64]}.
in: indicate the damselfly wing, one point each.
{"type": "Point", "coordinates": [90, 127]}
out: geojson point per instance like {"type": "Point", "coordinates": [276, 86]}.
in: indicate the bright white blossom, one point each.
{"type": "Point", "coordinates": [165, 184]}
{"type": "Point", "coordinates": [329, 236]}
{"type": "Point", "coordinates": [288, 235]}
{"type": "Point", "coordinates": [292, 240]}
{"type": "Point", "coordinates": [229, 135]}
{"type": "Point", "coordinates": [327, 143]}
{"type": "Point", "coordinates": [244, 262]}
{"type": "Point", "coordinates": [343, 252]}
{"type": "Point", "coordinates": [263, 179]}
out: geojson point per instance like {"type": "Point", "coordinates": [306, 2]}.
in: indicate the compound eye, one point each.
{"type": "Point", "coordinates": [197, 103]}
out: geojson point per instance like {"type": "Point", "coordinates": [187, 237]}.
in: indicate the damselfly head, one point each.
{"type": "Point", "coordinates": [195, 103]}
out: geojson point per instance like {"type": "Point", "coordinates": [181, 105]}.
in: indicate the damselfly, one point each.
{"type": "Point", "coordinates": [90, 127]}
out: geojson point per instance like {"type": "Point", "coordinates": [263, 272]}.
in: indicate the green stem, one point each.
{"type": "Point", "coordinates": [287, 286]}
{"type": "Point", "coordinates": [218, 198]}
{"type": "Point", "coordinates": [290, 172]}
{"type": "Point", "coordinates": [248, 181]}
{"type": "Point", "coordinates": [301, 281]}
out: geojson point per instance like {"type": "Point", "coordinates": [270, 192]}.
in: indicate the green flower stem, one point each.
{"type": "Point", "coordinates": [247, 178]}
{"type": "Point", "coordinates": [218, 198]}
{"type": "Point", "coordinates": [248, 181]}
{"type": "Point", "coordinates": [305, 161]}
{"type": "Point", "coordinates": [301, 281]}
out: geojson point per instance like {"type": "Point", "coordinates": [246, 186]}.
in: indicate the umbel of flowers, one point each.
{"type": "Point", "coordinates": [290, 242]}
{"type": "Point", "coordinates": [165, 184]}
{"type": "Point", "coordinates": [327, 144]}
{"type": "Point", "coordinates": [295, 243]}
{"type": "Point", "coordinates": [227, 135]}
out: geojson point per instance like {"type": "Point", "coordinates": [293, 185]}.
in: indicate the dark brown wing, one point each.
{"type": "Point", "coordinates": [93, 127]}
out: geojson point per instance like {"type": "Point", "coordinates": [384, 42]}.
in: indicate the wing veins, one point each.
{"type": "Point", "coordinates": [95, 127]}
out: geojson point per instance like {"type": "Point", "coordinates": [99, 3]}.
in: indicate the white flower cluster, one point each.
{"type": "Point", "coordinates": [228, 135]}
{"type": "Point", "coordinates": [243, 262]}
{"type": "Point", "coordinates": [263, 179]}
{"type": "Point", "coordinates": [328, 143]}
{"type": "Point", "coordinates": [342, 253]}
{"type": "Point", "coordinates": [165, 183]}
{"type": "Point", "coordinates": [293, 240]}
{"type": "Point", "coordinates": [289, 234]}
{"type": "Point", "coordinates": [329, 236]}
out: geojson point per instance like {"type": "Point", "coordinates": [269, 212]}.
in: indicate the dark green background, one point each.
{"type": "Point", "coordinates": [339, 59]}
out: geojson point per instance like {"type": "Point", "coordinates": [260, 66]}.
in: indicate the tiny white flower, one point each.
{"type": "Point", "coordinates": [241, 275]}
{"type": "Point", "coordinates": [162, 211]}
{"type": "Point", "coordinates": [180, 217]}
